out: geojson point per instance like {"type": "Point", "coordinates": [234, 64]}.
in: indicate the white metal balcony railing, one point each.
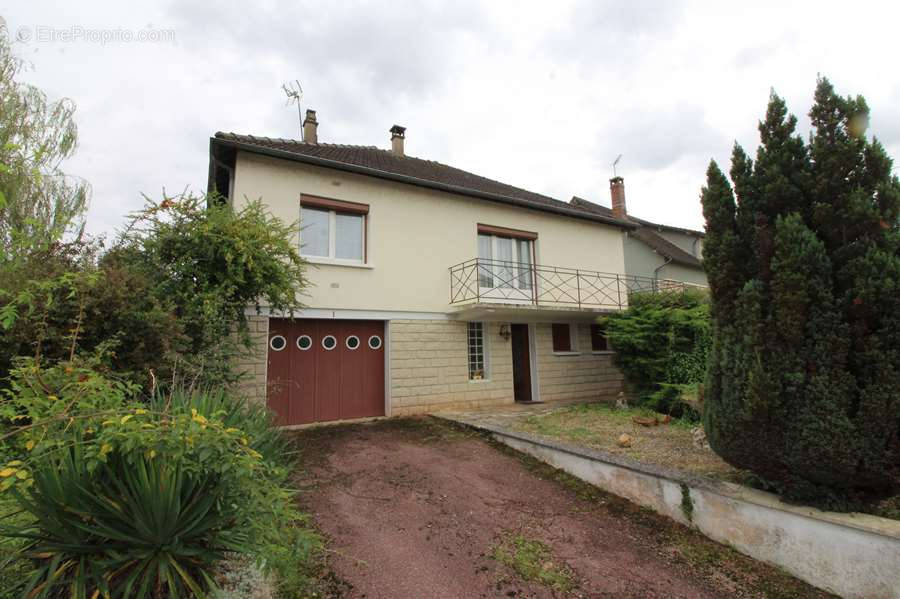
{"type": "Point", "coordinates": [501, 281]}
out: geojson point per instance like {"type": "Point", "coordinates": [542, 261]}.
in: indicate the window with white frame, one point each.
{"type": "Point", "coordinates": [477, 352]}
{"type": "Point", "coordinates": [332, 234]}
{"type": "Point", "coordinates": [507, 262]}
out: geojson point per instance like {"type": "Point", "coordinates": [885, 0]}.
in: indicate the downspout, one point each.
{"type": "Point", "coordinates": [656, 272]}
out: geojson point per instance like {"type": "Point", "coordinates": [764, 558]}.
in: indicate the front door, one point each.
{"type": "Point", "coordinates": [521, 360]}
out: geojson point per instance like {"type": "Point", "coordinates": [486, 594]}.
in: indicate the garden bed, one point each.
{"type": "Point", "coordinates": [599, 425]}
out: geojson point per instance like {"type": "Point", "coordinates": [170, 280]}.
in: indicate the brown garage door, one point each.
{"type": "Point", "coordinates": [323, 370]}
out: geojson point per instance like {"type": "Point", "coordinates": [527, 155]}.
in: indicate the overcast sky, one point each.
{"type": "Point", "coordinates": [541, 95]}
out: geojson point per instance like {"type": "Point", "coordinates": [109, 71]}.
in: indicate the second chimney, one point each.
{"type": "Point", "coordinates": [398, 134]}
{"type": "Point", "coordinates": [310, 126]}
{"type": "Point", "coordinates": [617, 191]}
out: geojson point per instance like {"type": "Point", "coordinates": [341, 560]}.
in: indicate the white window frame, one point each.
{"type": "Point", "coordinates": [515, 290]}
{"type": "Point", "coordinates": [485, 354]}
{"type": "Point", "coordinates": [332, 238]}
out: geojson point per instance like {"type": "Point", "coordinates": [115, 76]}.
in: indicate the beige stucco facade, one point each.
{"type": "Point", "coordinates": [414, 235]}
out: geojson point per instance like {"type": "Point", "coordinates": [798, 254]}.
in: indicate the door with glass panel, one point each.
{"type": "Point", "coordinates": [505, 269]}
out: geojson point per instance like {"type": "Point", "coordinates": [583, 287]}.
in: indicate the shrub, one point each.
{"type": "Point", "coordinates": [210, 264]}
{"type": "Point", "coordinates": [661, 342]}
{"type": "Point", "coordinates": [170, 297]}
{"type": "Point", "coordinates": [136, 498]}
{"type": "Point", "coordinates": [804, 270]}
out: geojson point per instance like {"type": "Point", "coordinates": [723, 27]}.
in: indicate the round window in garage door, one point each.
{"type": "Point", "coordinates": [352, 342]}
{"type": "Point", "coordinates": [277, 343]}
{"type": "Point", "coordinates": [374, 342]}
{"type": "Point", "coordinates": [304, 342]}
{"type": "Point", "coordinates": [329, 342]}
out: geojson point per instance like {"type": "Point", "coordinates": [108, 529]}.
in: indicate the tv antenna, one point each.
{"type": "Point", "coordinates": [616, 162]}
{"type": "Point", "coordinates": [294, 93]}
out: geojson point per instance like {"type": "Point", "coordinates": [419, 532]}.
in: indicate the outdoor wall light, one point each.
{"type": "Point", "coordinates": [504, 331]}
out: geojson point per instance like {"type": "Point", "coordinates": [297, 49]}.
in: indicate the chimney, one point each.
{"type": "Point", "coordinates": [617, 191]}
{"type": "Point", "coordinates": [398, 134]}
{"type": "Point", "coordinates": [310, 124]}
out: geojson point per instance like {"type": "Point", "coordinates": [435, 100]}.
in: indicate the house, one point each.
{"type": "Point", "coordinates": [660, 252]}
{"type": "Point", "coordinates": [432, 288]}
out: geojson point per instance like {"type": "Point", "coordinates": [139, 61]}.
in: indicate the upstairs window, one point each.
{"type": "Point", "coordinates": [562, 337]}
{"type": "Point", "coordinates": [599, 342]}
{"type": "Point", "coordinates": [333, 230]}
{"type": "Point", "coordinates": [506, 256]}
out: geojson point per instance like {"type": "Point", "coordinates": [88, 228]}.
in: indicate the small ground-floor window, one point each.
{"type": "Point", "coordinates": [562, 337]}
{"type": "Point", "coordinates": [477, 369]}
{"type": "Point", "coordinates": [599, 342]}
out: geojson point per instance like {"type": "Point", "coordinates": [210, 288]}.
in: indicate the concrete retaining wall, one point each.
{"type": "Point", "coordinates": [853, 555]}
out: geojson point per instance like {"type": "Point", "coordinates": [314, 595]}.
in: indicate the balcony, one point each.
{"type": "Point", "coordinates": [480, 286]}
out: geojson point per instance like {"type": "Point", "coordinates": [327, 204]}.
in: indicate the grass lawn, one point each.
{"type": "Point", "coordinates": [599, 426]}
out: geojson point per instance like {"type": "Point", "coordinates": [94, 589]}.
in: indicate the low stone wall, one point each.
{"type": "Point", "coordinates": [853, 555]}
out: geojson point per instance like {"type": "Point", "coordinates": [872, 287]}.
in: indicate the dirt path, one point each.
{"type": "Point", "coordinates": [420, 509]}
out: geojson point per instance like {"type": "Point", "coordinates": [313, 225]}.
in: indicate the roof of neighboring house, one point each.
{"type": "Point", "coordinates": [645, 233]}
{"type": "Point", "coordinates": [384, 164]}
{"type": "Point", "coordinates": [666, 248]}
{"type": "Point", "coordinates": [662, 227]}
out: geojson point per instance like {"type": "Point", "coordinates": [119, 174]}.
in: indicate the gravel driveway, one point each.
{"type": "Point", "coordinates": [421, 509]}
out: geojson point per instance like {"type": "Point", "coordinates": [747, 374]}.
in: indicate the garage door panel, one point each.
{"type": "Point", "coordinates": [278, 379]}
{"type": "Point", "coordinates": [328, 372]}
{"type": "Point", "coordinates": [326, 381]}
{"type": "Point", "coordinates": [303, 371]}
{"type": "Point", "coordinates": [353, 379]}
{"type": "Point", "coordinates": [373, 392]}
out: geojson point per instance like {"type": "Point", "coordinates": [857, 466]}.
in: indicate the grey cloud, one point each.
{"type": "Point", "coordinates": [657, 139]}
{"type": "Point", "coordinates": [378, 51]}
{"type": "Point", "coordinates": [613, 35]}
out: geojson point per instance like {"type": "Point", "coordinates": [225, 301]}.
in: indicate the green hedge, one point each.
{"type": "Point", "coordinates": [662, 342]}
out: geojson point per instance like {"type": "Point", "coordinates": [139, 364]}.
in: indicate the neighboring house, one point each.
{"type": "Point", "coordinates": [429, 289]}
{"type": "Point", "coordinates": [660, 252]}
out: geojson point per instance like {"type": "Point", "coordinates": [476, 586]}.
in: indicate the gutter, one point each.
{"type": "Point", "coordinates": [363, 170]}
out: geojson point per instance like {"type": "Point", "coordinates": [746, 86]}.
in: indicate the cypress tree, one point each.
{"type": "Point", "coordinates": [803, 261]}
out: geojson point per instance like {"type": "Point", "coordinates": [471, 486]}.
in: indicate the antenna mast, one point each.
{"type": "Point", "coordinates": [294, 93]}
{"type": "Point", "coordinates": [615, 162]}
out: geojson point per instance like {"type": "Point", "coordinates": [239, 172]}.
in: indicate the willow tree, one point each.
{"type": "Point", "coordinates": [803, 259]}
{"type": "Point", "coordinates": [39, 203]}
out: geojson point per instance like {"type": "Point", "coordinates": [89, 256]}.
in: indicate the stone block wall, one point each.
{"type": "Point", "coordinates": [429, 367]}
{"type": "Point", "coordinates": [253, 366]}
{"type": "Point", "coordinates": [585, 375]}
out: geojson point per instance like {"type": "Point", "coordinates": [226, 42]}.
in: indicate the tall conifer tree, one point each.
{"type": "Point", "coordinates": [803, 260]}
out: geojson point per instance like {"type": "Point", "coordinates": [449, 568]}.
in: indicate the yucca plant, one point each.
{"type": "Point", "coordinates": [132, 498]}
{"type": "Point", "coordinates": [127, 529]}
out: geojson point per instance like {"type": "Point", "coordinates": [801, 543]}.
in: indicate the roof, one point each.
{"type": "Point", "coordinates": [384, 164]}
{"type": "Point", "coordinates": [662, 227]}
{"type": "Point", "coordinates": [645, 233]}
{"type": "Point", "coordinates": [666, 248]}
{"type": "Point", "coordinates": [600, 209]}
